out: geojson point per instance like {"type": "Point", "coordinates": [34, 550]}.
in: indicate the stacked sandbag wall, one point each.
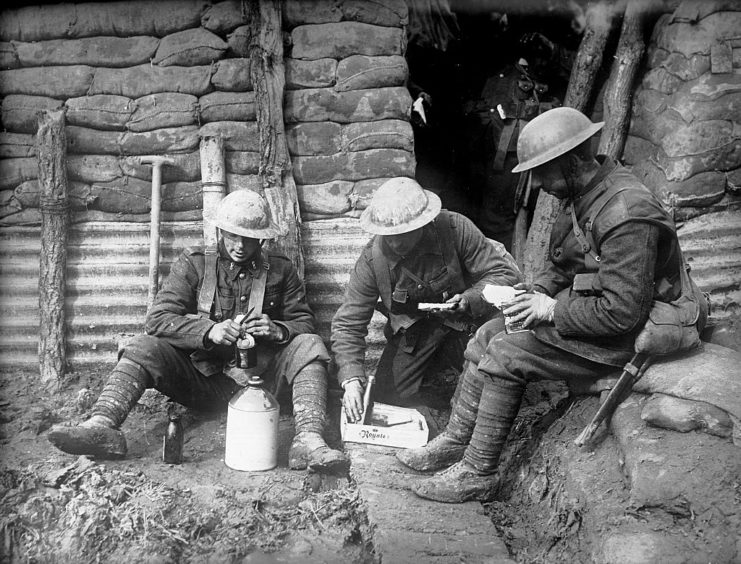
{"type": "Point", "coordinates": [144, 78]}
{"type": "Point", "coordinates": [685, 138]}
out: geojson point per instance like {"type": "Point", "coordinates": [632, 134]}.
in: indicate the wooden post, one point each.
{"type": "Point", "coordinates": [213, 179]}
{"type": "Point", "coordinates": [268, 79]}
{"type": "Point", "coordinates": [619, 89]}
{"type": "Point", "coordinates": [51, 145]}
{"type": "Point", "coordinates": [600, 21]}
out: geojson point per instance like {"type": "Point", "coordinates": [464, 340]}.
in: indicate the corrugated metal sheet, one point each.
{"type": "Point", "coordinates": [712, 245]}
{"type": "Point", "coordinates": [107, 269]}
{"type": "Point", "coordinates": [107, 280]}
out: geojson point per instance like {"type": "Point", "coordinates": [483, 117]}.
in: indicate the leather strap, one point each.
{"type": "Point", "coordinates": [208, 288]}
{"type": "Point", "coordinates": [257, 294]}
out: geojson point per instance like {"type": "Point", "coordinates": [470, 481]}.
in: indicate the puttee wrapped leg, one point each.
{"type": "Point", "coordinates": [100, 436]}
{"type": "Point", "coordinates": [475, 477]}
{"type": "Point", "coordinates": [448, 447]}
{"type": "Point", "coordinates": [309, 448]}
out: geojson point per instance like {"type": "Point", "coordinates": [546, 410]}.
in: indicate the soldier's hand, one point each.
{"type": "Point", "coordinates": [263, 327]}
{"type": "Point", "coordinates": [532, 309]}
{"type": "Point", "coordinates": [461, 305]}
{"type": "Point", "coordinates": [352, 401]}
{"type": "Point", "coordinates": [224, 333]}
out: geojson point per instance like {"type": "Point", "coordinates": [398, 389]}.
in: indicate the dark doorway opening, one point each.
{"type": "Point", "coordinates": [477, 76]}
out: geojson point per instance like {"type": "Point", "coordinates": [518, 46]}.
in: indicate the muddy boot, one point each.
{"type": "Point", "coordinates": [461, 482]}
{"type": "Point", "coordinates": [99, 436]}
{"type": "Point", "coordinates": [309, 450]}
{"type": "Point", "coordinates": [448, 447]}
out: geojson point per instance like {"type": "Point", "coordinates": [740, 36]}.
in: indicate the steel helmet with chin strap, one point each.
{"type": "Point", "coordinates": [400, 205]}
{"type": "Point", "coordinates": [245, 213]}
{"type": "Point", "coordinates": [552, 134]}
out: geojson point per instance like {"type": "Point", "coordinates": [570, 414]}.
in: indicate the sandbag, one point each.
{"type": "Point", "coordinates": [363, 192]}
{"type": "Point", "coordinates": [700, 137]}
{"type": "Point", "coordinates": [58, 82]}
{"type": "Point", "coordinates": [16, 171]}
{"type": "Point", "coordinates": [97, 215]}
{"type": "Point", "coordinates": [359, 71]}
{"type": "Point", "coordinates": [348, 38]}
{"type": "Point", "coordinates": [328, 198]}
{"type": "Point", "coordinates": [82, 140]}
{"type": "Point", "coordinates": [725, 157]}
{"type": "Point", "coordinates": [697, 37]}
{"type": "Point", "coordinates": [16, 145]}
{"type": "Point", "coordinates": [661, 80]}
{"type": "Point", "coordinates": [93, 168]}
{"type": "Point", "coordinates": [237, 135]}
{"type": "Point", "coordinates": [243, 182]}
{"type": "Point", "coordinates": [227, 106]}
{"type": "Point", "coordinates": [142, 80]}
{"type": "Point", "coordinates": [232, 75]}
{"type": "Point", "coordinates": [391, 13]}
{"type": "Point", "coordinates": [702, 189]}
{"type": "Point", "coordinates": [92, 51]}
{"type": "Point", "coordinates": [8, 56]}
{"type": "Point", "coordinates": [19, 111]}
{"type": "Point", "coordinates": [678, 65]}
{"type": "Point", "coordinates": [189, 48]}
{"type": "Point", "coordinates": [124, 195]}
{"type": "Point", "coordinates": [324, 104]}
{"type": "Point", "coordinates": [684, 416]}
{"type": "Point", "coordinates": [23, 217]}
{"type": "Point", "coordinates": [185, 167]}
{"type": "Point", "coordinates": [162, 110]}
{"type": "Point", "coordinates": [101, 111]}
{"type": "Point", "coordinates": [699, 108]}
{"type": "Point", "coordinates": [710, 375]}
{"type": "Point", "coordinates": [353, 166]}
{"type": "Point", "coordinates": [242, 162]}
{"type": "Point", "coordinates": [223, 17]}
{"type": "Point", "coordinates": [384, 134]}
{"type": "Point", "coordinates": [79, 195]}
{"type": "Point", "coordinates": [310, 74]}
{"type": "Point", "coordinates": [239, 41]}
{"type": "Point", "coordinates": [91, 19]}
{"type": "Point", "coordinates": [314, 138]}
{"type": "Point", "coordinates": [8, 203]}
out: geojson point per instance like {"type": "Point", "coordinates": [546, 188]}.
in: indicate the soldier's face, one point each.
{"type": "Point", "coordinates": [240, 249]}
{"type": "Point", "coordinates": [403, 243]}
{"type": "Point", "coordinates": [550, 178]}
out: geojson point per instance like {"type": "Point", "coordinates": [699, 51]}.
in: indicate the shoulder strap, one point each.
{"type": "Point", "coordinates": [586, 240]}
{"type": "Point", "coordinates": [208, 288]}
{"type": "Point", "coordinates": [257, 294]}
{"type": "Point", "coordinates": [383, 275]}
{"type": "Point", "coordinates": [450, 255]}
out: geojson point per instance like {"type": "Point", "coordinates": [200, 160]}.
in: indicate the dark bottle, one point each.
{"type": "Point", "coordinates": [172, 444]}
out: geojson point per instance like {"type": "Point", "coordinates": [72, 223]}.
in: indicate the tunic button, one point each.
{"type": "Point", "coordinates": [243, 298]}
{"type": "Point", "coordinates": [242, 275]}
{"type": "Point", "coordinates": [557, 252]}
{"type": "Point", "coordinates": [217, 316]}
{"type": "Point", "coordinates": [419, 286]}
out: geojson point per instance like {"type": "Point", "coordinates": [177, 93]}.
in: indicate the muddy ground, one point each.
{"type": "Point", "coordinates": [61, 508]}
{"type": "Point", "coordinates": [558, 503]}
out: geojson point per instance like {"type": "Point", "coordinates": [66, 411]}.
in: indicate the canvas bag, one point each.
{"type": "Point", "coordinates": [671, 327]}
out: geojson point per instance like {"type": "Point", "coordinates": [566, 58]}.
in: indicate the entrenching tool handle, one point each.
{"type": "Point", "coordinates": [632, 371]}
{"type": "Point", "coordinates": [367, 398]}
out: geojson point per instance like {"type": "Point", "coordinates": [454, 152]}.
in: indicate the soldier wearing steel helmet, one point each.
{"type": "Point", "coordinates": [419, 254]}
{"type": "Point", "coordinates": [613, 250]}
{"type": "Point", "coordinates": [187, 351]}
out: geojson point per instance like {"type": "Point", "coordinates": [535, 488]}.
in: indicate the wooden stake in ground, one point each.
{"type": "Point", "coordinates": [619, 90]}
{"type": "Point", "coordinates": [51, 145]}
{"type": "Point", "coordinates": [268, 79]}
{"type": "Point", "coordinates": [601, 17]}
